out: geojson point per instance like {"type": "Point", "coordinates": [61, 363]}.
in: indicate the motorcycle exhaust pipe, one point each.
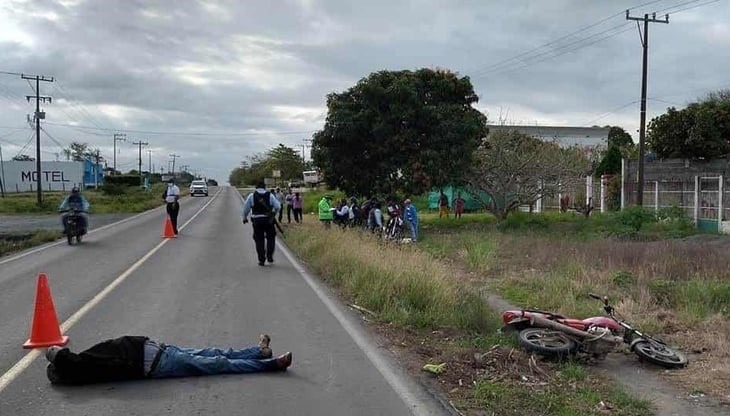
{"type": "Point", "coordinates": [546, 323]}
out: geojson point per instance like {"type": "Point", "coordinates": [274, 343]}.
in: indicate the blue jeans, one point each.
{"type": "Point", "coordinates": [182, 362]}
{"type": "Point", "coordinates": [414, 229]}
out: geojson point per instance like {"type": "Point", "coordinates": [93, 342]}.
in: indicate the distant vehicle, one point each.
{"type": "Point", "coordinates": [198, 187]}
{"type": "Point", "coordinates": [211, 182]}
{"type": "Point", "coordinates": [311, 176]}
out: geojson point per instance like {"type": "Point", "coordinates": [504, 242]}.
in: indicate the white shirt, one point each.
{"type": "Point", "coordinates": [172, 192]}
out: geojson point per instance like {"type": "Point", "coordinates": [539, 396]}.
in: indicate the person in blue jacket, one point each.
{"type": "Point", "coordinates": [75, 201]}
{"type": "Point", "coordinates": [410, 217]}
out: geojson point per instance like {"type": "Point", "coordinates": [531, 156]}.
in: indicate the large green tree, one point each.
{"type": "Point", "coordinates": [77, 151]}
{"type": "Point", "coordinates": [512, 169]}
{"type": "Point", "coordinates": [406, 131]}
{"type": "Point", "coordinates": [700, 130]}
{"type": "Point", "coordinates": [256, 167]}
{"type": "Point", "coordinates": [620, 145]}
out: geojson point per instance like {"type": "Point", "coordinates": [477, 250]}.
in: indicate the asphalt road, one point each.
{"type": "Point", "coordinates": [203, 288]}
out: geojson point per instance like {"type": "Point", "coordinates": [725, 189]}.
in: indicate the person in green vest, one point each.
{"type": "Point", "coordinates": [325, 210]}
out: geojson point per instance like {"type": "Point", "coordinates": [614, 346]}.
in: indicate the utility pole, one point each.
{"type": "Point", "coordinates": [149, 167]}
{"type": "Point", "coordinates": [38, 117]}
{"type": "Point", "coordinates": [2, 174]}
{"type": "Point", "coordinates": [173, 156]}
{"type": "Point", "coordinates": [117, 138]}
{"type": "Point", "coordinates": [97, 156]}
{"type": "Point", "coordinates": [642, 122]}
{"type": "Point", "coordinates": [140, 144]}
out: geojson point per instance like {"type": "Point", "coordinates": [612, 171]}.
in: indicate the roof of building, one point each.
{"type": "Point", "coordinates": [568, 136]}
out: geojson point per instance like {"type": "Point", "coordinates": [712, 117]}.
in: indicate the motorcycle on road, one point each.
{"type": "Point", "coordinates": [75, 225]}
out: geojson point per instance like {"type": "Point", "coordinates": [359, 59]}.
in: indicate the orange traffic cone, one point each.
{"type": "Point", "coordinates": [167, 231]}
{"type": "Point", "coordinates": [44, 332]}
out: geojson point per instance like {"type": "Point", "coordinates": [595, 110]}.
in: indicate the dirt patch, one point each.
{"type": "Point", "coordinates": [515, 375]}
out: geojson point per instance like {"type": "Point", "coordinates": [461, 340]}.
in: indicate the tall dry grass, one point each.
{"type": "Point", "coordinates": [400, 284]}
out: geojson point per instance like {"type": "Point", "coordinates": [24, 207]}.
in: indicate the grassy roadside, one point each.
{"type": "Point", "coordinates": [132, 200]}
{"type": "Point", "coordinates": [10, 243]}
{"type": "Point", "coordinates": [660, 277]}
{"type": "Point", "coordinates": [430, 315]}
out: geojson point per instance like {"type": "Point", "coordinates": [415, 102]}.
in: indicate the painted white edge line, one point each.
{"type": "Point", "coordinates": [27, 360]}
{"type": "Point", "coordinates": [416, 404]}
{"type": "Point", "coordinates": [55, 243]}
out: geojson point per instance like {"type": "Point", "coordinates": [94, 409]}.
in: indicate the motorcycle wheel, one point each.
{"type": "Point", "coordinates": [546, 342]}
{"type": "Point", "coordinates": [659, 354]}
{"type": "Point", "coordinates": [78, 238]}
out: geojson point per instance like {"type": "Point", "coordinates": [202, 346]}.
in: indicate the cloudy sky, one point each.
{"type": "Point", "coordinates": [215, 81]}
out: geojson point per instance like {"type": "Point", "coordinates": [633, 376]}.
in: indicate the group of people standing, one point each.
{"type": "Point", "coordinates": [458, 205]}
{"type": "Point", "coordinates": [291, 202]}
{"type": "Point", "coordinates": [369, 215]}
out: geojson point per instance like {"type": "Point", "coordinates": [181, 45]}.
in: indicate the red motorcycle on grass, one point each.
{"type": "Point", "coordinates": [554, 335]}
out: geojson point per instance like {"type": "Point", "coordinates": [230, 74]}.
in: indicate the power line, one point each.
{"type": "Point", "coordinates": [551, 54]}
{"type": "Point", "coordinates": [61, 145]}
{"type": "Point", "coordinates": [11, 73]}
{"type": "Point", "coordinates": [22, 149]}
{"type": "Point", "coordinates": [179, 133]}
{"type": "Point", "coordinates": [675, 6]}
{"type": "Point", "coordinates": [490, 67]}
{"type": "Point", "coordinates": [81, 108]}
{"type": "Point", "coordinates": [693, 7]}
{"type": "Point", "coordinates": [608, 113]}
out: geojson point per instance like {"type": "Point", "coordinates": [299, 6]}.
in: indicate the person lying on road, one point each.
{"type": "Point", "coordinates": [138, 357]}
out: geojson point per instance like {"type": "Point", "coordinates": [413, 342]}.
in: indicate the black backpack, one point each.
{"type": "Point", "coordinates": [261, 203]}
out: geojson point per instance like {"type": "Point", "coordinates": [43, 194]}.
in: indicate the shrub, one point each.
{"type": "Point", "coordinates": [125, 180]}
{"type": "Point", "coordinates": [113, 189]}
{"type": "Point", "coordinates": [524, 221]}
{"type": "Point", "coordinates": [635, 217]}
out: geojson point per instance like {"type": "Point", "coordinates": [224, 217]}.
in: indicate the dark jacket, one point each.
{"type": "Point", "coordinates": [115, 359]}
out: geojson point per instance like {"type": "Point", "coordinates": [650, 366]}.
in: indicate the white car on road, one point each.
{"type": "Point", "coordinates": [198, 188]}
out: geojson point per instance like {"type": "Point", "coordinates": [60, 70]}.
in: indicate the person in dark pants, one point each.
{"type": "Point", "coordinates": [172, 196]}
{"type": "Point", "coordinates": [263, 207]}
{"type": "Point", "coordinates": [297, 207]}
{"type": "Point", "coordinates": [138, 357]}
{"type": "Point", "coordinates": [288, 200]}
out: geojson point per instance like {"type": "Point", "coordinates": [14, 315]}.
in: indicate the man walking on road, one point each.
{"type": "Point", "coordinates": [263, 207]}
{"type": "Point", "coordinates": [138, 357]}
{"type": "Point", "coordinates": [172, 195]}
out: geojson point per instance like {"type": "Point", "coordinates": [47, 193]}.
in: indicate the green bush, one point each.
{"type": "Point", "coordinates": [113, 189]}
{"type": "Point", "coordinates": [524, 221]}
{"type": "Point", "coordinates": [635, 217]}
{"type": "Point", "coordinates": [125, 180]}
{"type": "Point", "coordinates": [624, 279]}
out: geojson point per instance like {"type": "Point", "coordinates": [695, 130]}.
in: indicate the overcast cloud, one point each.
{"type": "Point", "coordinates": [239, 77]}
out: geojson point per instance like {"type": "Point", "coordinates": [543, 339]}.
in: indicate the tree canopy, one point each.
{"type": "Point", "coordinates": [23, 158]}
{"type": "Point", "coordinates": [620, 145]}
{"type": "Point", "coordinates": [512, 169]}
{"type": "Point", "coordinates": [259, 166]}
{"type": "Point", "coordinates": [406, 131]}
{"type": "Point", "coordinates": [700, 130]}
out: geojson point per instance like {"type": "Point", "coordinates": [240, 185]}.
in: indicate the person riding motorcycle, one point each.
{"type": "Point", "coordinates": [75, 201]}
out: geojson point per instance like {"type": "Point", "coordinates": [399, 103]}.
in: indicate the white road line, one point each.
{"type": "Point", "coordinates": [27, 360]}
{"type": "Point", "coordinates": [95, 230]}
{"type": "Point", "coordinates": [416, 404]}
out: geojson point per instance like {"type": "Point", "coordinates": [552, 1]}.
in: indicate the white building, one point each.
{"type": "Point", "coordinates": [590, 139]}
{"type": "Point", "coordinates": [20, 176]}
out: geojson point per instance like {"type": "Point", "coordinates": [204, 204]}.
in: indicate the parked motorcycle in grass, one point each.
{"type": "Point", "coordinates": [554, 335]}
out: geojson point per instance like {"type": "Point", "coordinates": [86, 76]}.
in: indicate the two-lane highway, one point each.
{"type": "Point", "coordinates": [203, 288]}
